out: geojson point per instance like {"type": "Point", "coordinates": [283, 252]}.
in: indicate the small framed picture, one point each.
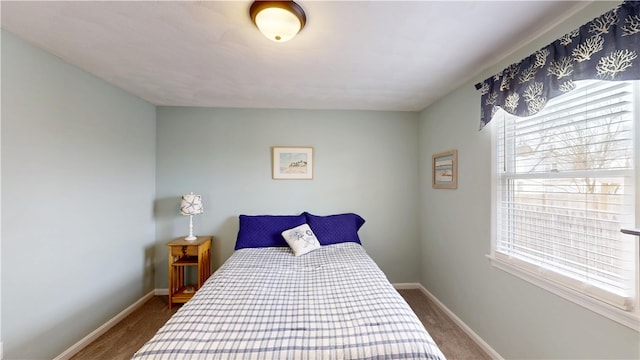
{"type": "Point", "coordinates": [292, 163]}
{"type": "Point", "coordinates": [445, 170]}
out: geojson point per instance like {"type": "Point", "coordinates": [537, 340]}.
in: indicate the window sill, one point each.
{"type": "Point", "coordinates": [626, 318]}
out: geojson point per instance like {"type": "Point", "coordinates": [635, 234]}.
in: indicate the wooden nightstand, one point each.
{"type": "Point", "coordinates": [183, 253]}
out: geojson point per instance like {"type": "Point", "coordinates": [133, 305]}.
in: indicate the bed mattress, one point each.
{"type": "Point", "coordinates": [265, 303]}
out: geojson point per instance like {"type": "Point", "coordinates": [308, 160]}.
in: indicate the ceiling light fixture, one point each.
{"type": "Point", "coordinates": [279, 21]}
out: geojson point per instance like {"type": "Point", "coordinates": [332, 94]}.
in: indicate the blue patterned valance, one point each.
{"type": "Point", "coordinates": [607, 48]}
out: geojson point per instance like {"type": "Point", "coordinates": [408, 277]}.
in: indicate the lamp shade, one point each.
{"type": "Point", "coordinates": [279, 21]}
{"type": "Point", "coordinates": [191, 204]}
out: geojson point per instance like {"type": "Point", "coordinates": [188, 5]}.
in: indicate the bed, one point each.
{"type": "Point", "coordinates": [270, 301]}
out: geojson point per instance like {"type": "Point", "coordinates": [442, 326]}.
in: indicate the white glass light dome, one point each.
{"type": "Point", "coordinates": [279, 21]}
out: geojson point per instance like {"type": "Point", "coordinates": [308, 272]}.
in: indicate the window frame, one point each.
{"type": "Point", "coordinates": [631, 318]}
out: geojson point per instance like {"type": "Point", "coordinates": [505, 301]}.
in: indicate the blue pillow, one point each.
{"type": "Point", "coordinates": [334, 229]}
{"type": "Point", "coordinates": [265, 230]}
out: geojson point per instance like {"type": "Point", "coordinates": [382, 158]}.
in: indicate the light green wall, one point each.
{"type": "Point", "coordinates": [364, 162]}
{"type": "Point", "coordinates": [1, 343]}
{"type": "Point", "coordinates": [519, 320]}
{"type": "Point", "coordinates": [78, 184]}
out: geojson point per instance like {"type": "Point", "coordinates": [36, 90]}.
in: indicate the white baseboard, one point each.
{"type": "Point", "coordinates": [75, 348]}
{"type": "Point", "coordinates": [407, 286]}
{"type": "Point", "coordinates": [475, 337]}
{"type": "Point", "coordinates": [161, 291]}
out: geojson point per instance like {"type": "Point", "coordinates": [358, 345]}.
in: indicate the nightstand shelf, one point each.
{"type": "Point", "coordinates": [184, 254]}
{"type": "Point", "coordinates": [186, 261]}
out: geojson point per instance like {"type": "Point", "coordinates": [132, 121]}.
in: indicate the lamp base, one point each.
{"type": "Point", "coordinates": [191, 237]}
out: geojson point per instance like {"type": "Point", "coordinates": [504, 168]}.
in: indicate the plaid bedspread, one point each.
{"type": "Point", "coordinates": [332, 303]}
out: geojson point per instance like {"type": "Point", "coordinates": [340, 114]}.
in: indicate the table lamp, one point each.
{"type": "Point", "coordinates": [191, 205]}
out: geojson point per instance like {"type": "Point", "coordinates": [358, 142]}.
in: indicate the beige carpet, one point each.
{"type": "Point", "coordinates": [124, 339]}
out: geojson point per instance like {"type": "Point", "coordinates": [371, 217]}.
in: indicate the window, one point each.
{"type": "Point", "coordinates": [565, 186]}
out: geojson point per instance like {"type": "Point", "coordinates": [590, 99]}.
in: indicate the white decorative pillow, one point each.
{"type": "Point", "coordinates": [301, 239]}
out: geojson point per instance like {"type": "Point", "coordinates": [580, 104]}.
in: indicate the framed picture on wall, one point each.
{"type": "Point", "coordinates": [292, 163]}
{"type": "Point", "coordinates": [445, 170]}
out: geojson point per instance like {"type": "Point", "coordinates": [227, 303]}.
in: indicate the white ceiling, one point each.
{"type": "Point", "coordinates": [376, 55]}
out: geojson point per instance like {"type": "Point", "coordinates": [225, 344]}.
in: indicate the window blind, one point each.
{"type": "Point", "coordinates": [566, 187]}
